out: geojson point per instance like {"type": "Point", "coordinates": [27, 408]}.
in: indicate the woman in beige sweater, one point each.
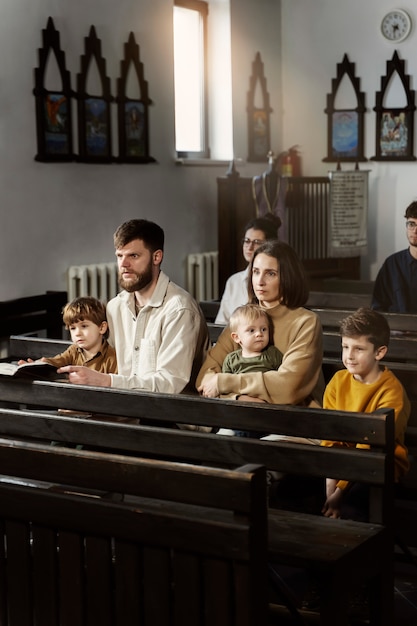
{"type": "Point", "coordinates": [279, 285]}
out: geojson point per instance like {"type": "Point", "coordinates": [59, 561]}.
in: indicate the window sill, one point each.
{"type": "Point", "coordinates": [202, 162]}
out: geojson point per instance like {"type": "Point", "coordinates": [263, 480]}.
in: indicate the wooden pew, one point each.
{"type": "Point", "coordinates": [210, 309]}
{"type": "Point", "coordinates": [346, 285]}
{"type": "Point", "coordinates": [342, 300]}
{"type": "Point", "coordinates": [399, 323]}
{"type": "Point", "coordinates": [187, 546]}
{"type": "Point", "coordinates": [405, 369]}
{"type": "Point", "coordinates": [359, 551]}
{"type": "Point", "coordinates": [33, 314]}
{"type": "Point", "coordinates": [406, 498]}
{"type": "Point", "coordinates": [317, 299]}
{"type": "Point", "coordinates": [21, 347]}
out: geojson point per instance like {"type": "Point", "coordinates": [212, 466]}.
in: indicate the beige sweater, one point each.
{"type": "Point", "coordinates": [299, 379]}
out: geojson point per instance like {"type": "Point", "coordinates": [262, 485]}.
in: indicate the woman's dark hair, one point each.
{"type": "Point", "coordinates": [293, 289]}
{"type": "Point", "coordinates": [268, 225]}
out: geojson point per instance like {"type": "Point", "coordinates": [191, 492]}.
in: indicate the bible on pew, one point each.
{"type": "Point", "coordinates": [38, 370]}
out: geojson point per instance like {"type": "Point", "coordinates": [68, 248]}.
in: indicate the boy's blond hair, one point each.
{"type": "Point", "coordinates": [248, 313]}
{"type": "Point", "coordinates": [84, 308]}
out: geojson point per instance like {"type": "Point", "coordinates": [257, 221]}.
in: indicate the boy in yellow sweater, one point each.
{"type": "Point", "coordinates": [364, 386]}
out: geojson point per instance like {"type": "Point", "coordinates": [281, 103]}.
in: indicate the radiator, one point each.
{"type": "Point", "coordinates": [98, 280]}
{"type": "Point", "coordinates": [203, 275]}
{"type": "Point", "coordinates": [308, 206]}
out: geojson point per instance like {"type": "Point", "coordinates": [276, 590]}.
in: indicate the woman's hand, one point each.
{"type": "Point", "coordinates": [209, 387]}
{"type": "Point", "coordinates": [244, 398]}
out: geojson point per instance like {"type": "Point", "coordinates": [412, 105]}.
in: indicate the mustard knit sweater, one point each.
{"type": "Point", "coordinates": [345, 393]}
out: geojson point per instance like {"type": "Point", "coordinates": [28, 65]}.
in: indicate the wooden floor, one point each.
{"type": "Point", "coordinates": [406, 595]}
{"type": "Point", "coordinates": [405, 603]}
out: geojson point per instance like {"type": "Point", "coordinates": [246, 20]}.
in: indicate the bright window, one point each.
{"type": "Point", "coordinates": [190, 75]}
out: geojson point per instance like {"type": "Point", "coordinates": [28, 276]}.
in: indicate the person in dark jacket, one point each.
{"type": "Point", "coordinates": [395, 289]}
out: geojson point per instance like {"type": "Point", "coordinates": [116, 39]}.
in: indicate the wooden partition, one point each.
{"type": "Point", "coordinates": [307, 203]}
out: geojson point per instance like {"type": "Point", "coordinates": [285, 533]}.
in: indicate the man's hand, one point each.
{"type": "Point", "coordinates": [80, 375]}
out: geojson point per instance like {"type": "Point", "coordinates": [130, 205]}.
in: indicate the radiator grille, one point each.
{"type": "Point", "coordinates": [98, 280]}
{"type": "Point", "coordinates": [308, 206]}
{"type": "Point", "coordinates": [203, 275]}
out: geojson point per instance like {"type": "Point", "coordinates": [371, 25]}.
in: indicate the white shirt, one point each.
{"type": "Point", "coordinates": [162, 348]}
{"type": "Point", "coordinates": [235, 294]}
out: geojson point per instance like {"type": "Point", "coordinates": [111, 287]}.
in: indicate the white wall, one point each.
{"type": "Point", "coordinates": [315, 37]}
{"type": "Point", "coordinates": [54, 215]}
{"type": "Point", "coordinates": [59, 214]}
{"type": "Point", "coordinates": [256, 26]}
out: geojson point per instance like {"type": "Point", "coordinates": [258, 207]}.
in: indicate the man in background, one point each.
{"type": "Point", "coordinates": [395, 289]}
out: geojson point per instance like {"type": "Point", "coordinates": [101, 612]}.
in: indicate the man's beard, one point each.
{"type": "Point", "coordinates": [142, 280]}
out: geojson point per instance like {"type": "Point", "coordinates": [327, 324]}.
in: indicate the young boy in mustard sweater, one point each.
{"type": "Point", "coordinates": [364, 386]}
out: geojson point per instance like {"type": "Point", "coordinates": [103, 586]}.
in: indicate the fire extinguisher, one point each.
{"type": "Point", "coordinates": [286, 164]}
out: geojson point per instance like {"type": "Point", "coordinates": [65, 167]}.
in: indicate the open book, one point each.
{"type": "Point", "coordinates": [37, 370]}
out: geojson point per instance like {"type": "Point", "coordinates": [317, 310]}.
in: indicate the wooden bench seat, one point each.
{"type": "Point", "coordinates": [333, 298]}
{"type": "Point", "coordinates": [405, 369]}
{"type": "Point", "coordinates": [33, 314]}
{"type": "Point", "coordinates": [295, 538]}
{"type": "Point", "coordinates": [35, 347]}
{"type": "Point", "coordinates": [188, 546]}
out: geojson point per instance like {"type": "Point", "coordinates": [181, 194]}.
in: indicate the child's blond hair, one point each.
{"type": "Point", "coordinates": [248, 313]}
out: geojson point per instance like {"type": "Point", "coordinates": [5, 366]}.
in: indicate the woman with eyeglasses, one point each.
{"type": "Point", "coordinates": [257, 231]}
{"type": "Point", "coordinates": [395, 288]}
{"type": "Point", "coordinates": [278, 284]}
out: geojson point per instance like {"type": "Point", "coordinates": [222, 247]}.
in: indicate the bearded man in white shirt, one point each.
{"type": "Point", "coordinates": [156, 327]}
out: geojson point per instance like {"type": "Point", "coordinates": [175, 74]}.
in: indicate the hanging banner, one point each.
{"type": "Point", "coordinates": [348, 216]}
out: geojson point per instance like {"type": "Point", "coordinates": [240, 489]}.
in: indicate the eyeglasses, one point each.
{"type": "Point", "coordinates": [411, 225]}
{"type": "Point", "coordinates": [252, 242]}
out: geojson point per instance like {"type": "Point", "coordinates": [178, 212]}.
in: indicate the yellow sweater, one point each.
{"type": "Point", "coordinates": [345, 393]}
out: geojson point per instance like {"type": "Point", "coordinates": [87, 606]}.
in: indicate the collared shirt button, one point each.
{"type": "Point", "coordinates": [136, 348]}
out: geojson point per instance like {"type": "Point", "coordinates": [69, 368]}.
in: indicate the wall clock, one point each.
{"type": "Point", "coordinates": [396, 25]}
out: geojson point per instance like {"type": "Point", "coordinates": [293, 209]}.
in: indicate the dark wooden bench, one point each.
{"type": "Point", "coordinates": [21, 347]}
{"type": "Point", "coordinates": [405, 368]}
{"type": "Point", "coordinates": [188, 545]}
{"type": "Point", "coordinates": [33, 314]}
{"type": "Point", "coordinates": [348, 285]}
{"type": "Point", "coordinates": [350, 300]}
{"type": "Point", "coordinates": [337, 554]}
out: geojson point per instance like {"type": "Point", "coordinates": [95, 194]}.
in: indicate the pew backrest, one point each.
{"type": "Point", "coordinates": [186, 541]}
{"type": "Point", "coordinates": [32, 314]}
{"type": "Point", "coordinates": [35, 347]}
{"type": "Point", "coordinates": [165, 410]}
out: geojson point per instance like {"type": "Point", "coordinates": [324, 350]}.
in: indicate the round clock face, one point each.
{"type": "Point", "coordinates": [396, 25]}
